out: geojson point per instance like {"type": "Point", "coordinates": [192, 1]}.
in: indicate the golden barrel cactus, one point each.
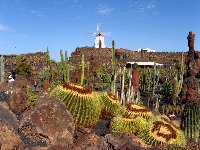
{"type": "Point", "coordinates": [111, 105]}
{"type": "Point", "coordinates": [82, 102]}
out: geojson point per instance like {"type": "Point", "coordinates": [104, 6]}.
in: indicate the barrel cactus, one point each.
{"type": "Point", "coordinates": [128, 125]}
{"type": "Point", "coordinates": [137, 110]}
{"type": "Point", "coordinates": [191, 120]}
{"type": "Point", "coordinates": [163, 132]}
{"type": "Point", "coordinates": [83, 103]}
{"type": "Point", "coordinates": [111, 105]}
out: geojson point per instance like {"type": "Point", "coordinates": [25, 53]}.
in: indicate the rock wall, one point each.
{"type": "Point", "coordinates": [37, 59]}
{"type": "Point", "coordinates": [98, 56]}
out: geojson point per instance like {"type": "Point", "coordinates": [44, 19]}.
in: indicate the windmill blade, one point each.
{"type": "Point", "coordinates": [91, 33]}
{"type": "Point", "coordinates": [107, 34]}
{"type": "Point", "coordinates": [99, 28]}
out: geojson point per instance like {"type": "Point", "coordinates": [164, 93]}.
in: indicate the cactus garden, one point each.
{"type": "Point", "coordinates": [156, 104]}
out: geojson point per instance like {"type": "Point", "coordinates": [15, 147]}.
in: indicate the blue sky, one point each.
{"type": "Point", "coordinates": [28, 26]}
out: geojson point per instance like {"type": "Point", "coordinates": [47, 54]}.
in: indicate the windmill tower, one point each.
{"type": "Point", "coordinates": [99, 37]}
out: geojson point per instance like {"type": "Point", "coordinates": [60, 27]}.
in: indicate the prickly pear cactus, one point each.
{"type": "Point", "coordinates": [83, 103]}
{"type": "Point", "coordinates": [111, 105]}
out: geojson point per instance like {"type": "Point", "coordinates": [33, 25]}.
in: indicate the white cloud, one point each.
{"type": "Point", "coordinates": [148, 6]}
{"type": "Point", "coordinates": [104, 10]}
{"type": "Point", "coordinates": [34, 12]}
{"type": "Point", "coordinates": [3, 27]}
{"type": "Point", "coordinates": [142, 5]}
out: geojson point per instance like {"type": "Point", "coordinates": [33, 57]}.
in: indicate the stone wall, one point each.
{"type": "Point", "coordinates": [37, 59]}
{"type": "Point", "coordinates": [98, 56]}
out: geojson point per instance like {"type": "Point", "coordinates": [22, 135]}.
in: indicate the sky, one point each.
{"type": "Point", "coordinates": [28, 26]}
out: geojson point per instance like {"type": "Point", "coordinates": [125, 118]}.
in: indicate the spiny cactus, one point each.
{"type": "Point", "coordinates": [175, 90]}
{"type": "Point", "coordinates": [67, 66]}
{"type": "Point", "coordinates": [49, 65]}
{"type": "Point", "coordinates": [113, 57]}
{"type": "Point", "coordinates": [111, 105]}
{"type": "Point", "coordinates": [2, 68]}
{"type": "Point", "coordinates": [63, 66]}
{"type": "Point", "coordinates": [136, 110]}
{"type": "Point", "coordinates": [191, 120]}
{"type": "Point", "coordinates": [129, 125]}
{"type": "Point", "coordinates": [163, 132]}
{"type": "Point", "coordinates": [83, 70]}
{"type": "Point", "coordinates": [83, 103]}
{"type": "Point", "coordinates": [122, 87]}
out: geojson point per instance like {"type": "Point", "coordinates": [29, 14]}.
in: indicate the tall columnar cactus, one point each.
{"type": "Point", "coordinates": [82, 70]}
{"type": "Point", "coordinates": [48, 60]}
{"type": "Point", "coordinates": [83, 103]}
{"type": "Point", "coordinates": [2, 69]}
{"type": "Point", "coordinates": [49, 64]}
{"type": "Point", "coordinates": [122, 87]}
{"type": "Point", "coordinates": [154, 78]}
{"type": "Point", "coordinates": [191, 120]}
{"type": "Point", "coordinates": [180, 82]}
{"type": "Point", "coordinates": [113, 57]}
{"type": "Point", "coordinates": [175, 90]}
{"type": "Point", "coordinates": [113, 84]}
{"type": "Point", "coordinates": [149, 80]}
{"type": "Point", "coordinates": [67, 66]}
{"type": "Point", "coordinates": [129, 85]}
{"type": "Point", "coordinates": [63, 66]}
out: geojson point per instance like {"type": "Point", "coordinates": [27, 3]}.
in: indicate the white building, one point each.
{"type": "Point", "coordinates": [99, 41]}
{"type": "Point", "coordinates": [146, 49]}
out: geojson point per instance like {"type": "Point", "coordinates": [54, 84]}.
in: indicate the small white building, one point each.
{"type": "Point", "coordinates": [146, 50]}
{"type": "Point", "coordinates": [149, 63]}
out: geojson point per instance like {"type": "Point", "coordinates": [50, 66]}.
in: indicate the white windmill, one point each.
{"type": "Point", "coordinates": [99, 37]}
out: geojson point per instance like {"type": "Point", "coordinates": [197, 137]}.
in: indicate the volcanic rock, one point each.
{"type": "Point", "coordinates": [9, 137]}
{"type": "Point", "coordinates": [18, 101]}
{"type": "Point", "coordinates": [48, 123]}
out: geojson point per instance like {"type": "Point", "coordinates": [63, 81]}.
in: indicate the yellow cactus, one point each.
{"type": "Point", "coordinates": [83, 103]}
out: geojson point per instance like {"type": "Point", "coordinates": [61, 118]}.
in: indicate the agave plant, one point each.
{"type": "Point", "coordinates": [83, 103]}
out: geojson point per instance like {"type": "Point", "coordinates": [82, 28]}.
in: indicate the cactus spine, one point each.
{"type": "Point", "coordinates": [2, 69]}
